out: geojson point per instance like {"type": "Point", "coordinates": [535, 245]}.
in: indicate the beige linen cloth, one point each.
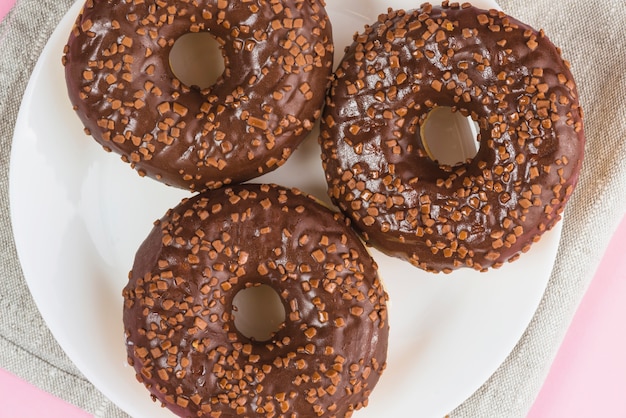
{"type": "Point", "coordinates": [591, 35]}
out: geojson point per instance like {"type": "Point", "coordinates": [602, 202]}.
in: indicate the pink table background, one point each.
{"type": "Point", "coordinates": [588, 377]}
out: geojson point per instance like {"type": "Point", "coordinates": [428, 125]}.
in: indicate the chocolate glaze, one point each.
{"type": "Point", "coordinates": [278, 60]}
{"type": "Point", "coordinates": [181, 338]}
{"type": "Point", "coordinates": [509, 78]}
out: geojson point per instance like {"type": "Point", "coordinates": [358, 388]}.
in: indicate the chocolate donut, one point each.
{"type": "Point", "coordinates": [507, 77]}
{"type": "Point", "coordinates": [278, 61]}
{"type": "Point", "coordinates": [178, 313]}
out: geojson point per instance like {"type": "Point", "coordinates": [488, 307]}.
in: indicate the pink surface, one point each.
{"type": "Point", "coordinates": [588, 377]}
{"type": "Point", "coordinates": [5, 6]}
{"type": "Point", "coordinates": [23, 400]}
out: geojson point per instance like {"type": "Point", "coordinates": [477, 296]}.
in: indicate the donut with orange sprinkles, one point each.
{"type": "Point", "coordinates": [506, 76]}
{"type": "Point", "coordinates": [277, 58]}
{"type": "Point", "coordinates": [179, 318]}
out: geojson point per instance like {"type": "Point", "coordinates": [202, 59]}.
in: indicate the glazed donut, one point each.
{"type": "Point", "coordinates": [181, 339]}
{"type": "Point", "coordinates": [278, 62]}
{"type": "Point", "coordinates": [507, 77]}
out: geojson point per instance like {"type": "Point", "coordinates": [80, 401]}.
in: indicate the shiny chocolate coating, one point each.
{"type": "Point", "coordinates": [278, 61]}
{"type": "Point", "coordinates": [181, 338]}
{"type": "Point", "coordinates": [507, 77]}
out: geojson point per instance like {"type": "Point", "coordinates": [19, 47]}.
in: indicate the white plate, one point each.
{"type": "Point", "coordinates": [79, 214]}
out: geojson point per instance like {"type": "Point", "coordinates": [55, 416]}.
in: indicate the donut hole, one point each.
{"type": "Point", "coordinates": [196, 59]}
{"type": "Point", "coordinates": [448, 137]}
{"type": "Point", "coordinates": [258, 312]}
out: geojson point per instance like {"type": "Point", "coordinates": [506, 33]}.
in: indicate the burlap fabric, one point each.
{"type": "Point", "coordinates": [591, 36]}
